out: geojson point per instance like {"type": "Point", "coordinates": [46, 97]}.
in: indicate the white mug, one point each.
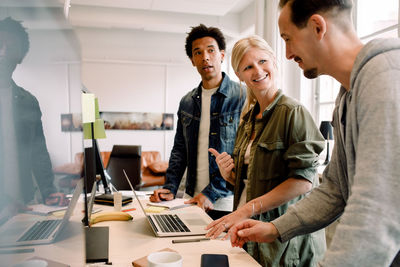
{"type": "Point", "coordinates": [164, 259]}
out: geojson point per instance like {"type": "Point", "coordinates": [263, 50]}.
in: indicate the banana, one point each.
{"type": "Point", "coordinates": [110, 216]}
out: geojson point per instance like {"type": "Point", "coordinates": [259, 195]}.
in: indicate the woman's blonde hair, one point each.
{"type": "Point", "coordinates": [239, 50]}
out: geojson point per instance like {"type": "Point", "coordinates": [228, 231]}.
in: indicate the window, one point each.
{"type": "Point", "coordinates": [328, 90]}
{"type": "Point", "coordinates": [374, 19]}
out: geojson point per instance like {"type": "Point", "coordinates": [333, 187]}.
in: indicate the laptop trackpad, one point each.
{"type": "Point", "coordinates": [193, 219]}
{"type": "Point", "coordinates": [13, 231]}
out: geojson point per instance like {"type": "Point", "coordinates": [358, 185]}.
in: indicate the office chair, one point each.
{"type": "Point", "coordinates": [128, 158]}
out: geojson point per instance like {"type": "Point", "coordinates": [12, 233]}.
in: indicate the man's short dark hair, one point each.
{"type": "Point", "coordinates": [15, 27]}
{"type": "Point", "coordinates": [302, 10]}
{"type": "Point", "coordinates": [204, 31]}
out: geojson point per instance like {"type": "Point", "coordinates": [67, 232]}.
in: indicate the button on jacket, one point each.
{"type": "Point", "coordinates": [225, 109]}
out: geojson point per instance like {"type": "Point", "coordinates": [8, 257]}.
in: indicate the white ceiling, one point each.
{"type": "Point", "coordinates": [203, 7]}
{"type": "Point", "coordinates": [168, 16]}
{"type": "Point", "coordinates": [233, 17]}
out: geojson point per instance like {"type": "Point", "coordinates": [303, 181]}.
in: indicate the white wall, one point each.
{"type": "Point", "coordinates": [139, 87]}
{"type": "Point", "coordinates": [51, 72]}
{"type": "Point", "coordinates": [134, 71]}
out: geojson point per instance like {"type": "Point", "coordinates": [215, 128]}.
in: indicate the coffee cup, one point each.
{"type": "Point", "coordinates": [164, 259]}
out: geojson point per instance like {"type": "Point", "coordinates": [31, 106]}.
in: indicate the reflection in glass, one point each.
{"type": "Point", "coordinates": [39, 80]}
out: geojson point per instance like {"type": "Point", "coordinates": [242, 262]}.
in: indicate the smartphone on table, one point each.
{"type": "Point", "coordinates": [209, 260]}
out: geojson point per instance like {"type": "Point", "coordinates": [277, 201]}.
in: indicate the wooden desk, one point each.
{"type": "Point", "coordinates": [129, 240]}
{"type": "Point", "coordinates": [132, 240]}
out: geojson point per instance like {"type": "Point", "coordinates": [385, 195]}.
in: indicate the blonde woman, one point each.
{"type": "Point", "coordinates": [275, 158]}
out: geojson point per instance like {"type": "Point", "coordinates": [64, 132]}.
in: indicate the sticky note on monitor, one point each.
{"type": "Point", "coordinates": [98, 127]}
{"type": "Point", "coordinates": [88, 108]}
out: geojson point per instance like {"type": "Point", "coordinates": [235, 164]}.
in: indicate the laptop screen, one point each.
{"type": "Point", "coordinates": [134, 192]}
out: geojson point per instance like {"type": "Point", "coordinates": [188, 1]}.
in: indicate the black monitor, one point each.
{"type": "Point", "coordinates": [93, 158]}
{"type": "Point", "coordinates": [128, 158]}
{"type": "Point", "coordinates": [96, 238]}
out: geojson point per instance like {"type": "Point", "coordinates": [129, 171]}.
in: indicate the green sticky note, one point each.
{"type": "Point", "coordinates": [99, 131]}
{"type": "Point", "coordinates": [88, 108]}
{"type": "Point", "coordinates": [96, 108]}
{"type": "Point", "coordinates": [87, 131]}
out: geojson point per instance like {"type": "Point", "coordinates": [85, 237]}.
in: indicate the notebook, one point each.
{"type": "Point", "coordinates": [108, 199]}
{"type": "Point", "coordinates": [22, 230]}
{"type": "Point", "coordinates": [175, 224]}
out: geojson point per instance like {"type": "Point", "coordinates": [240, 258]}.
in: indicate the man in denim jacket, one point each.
{"type": "Point", "coordinates": [208, 116]}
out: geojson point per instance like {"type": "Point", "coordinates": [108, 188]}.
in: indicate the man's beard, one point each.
{"type": "Point", "coordinates": [311, 73]}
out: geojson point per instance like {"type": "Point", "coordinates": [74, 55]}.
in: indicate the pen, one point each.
{"type": "Point", "coordinates": [175, 241]}
{"type": "Point", "coordinates": [129, 209]}
{"type": "Point", "coordinates": [12, 251]}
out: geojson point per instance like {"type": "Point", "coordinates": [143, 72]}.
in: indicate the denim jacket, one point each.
{"type": "Point", "coordinates": [225, 109]}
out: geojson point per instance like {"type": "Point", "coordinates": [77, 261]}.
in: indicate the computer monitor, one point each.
{"type": "Point", "coordinates": [93, 158]}
{"type": "Point", "coordinates": [126, 157]}
{"type": "Point", "coordinates": [96, 238]}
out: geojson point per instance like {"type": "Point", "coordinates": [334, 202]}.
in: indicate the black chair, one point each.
{"type": "Point", "coordinates": [128, 158]}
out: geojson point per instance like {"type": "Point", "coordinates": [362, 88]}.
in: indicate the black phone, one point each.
{"type": "Point", "coordinates": [217, 260]}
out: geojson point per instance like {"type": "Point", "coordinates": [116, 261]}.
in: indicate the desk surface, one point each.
{"type": "Point", "coordinates": [128, 241]}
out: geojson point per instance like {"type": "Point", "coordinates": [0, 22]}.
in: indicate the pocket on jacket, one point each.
{"type": "Point", "coordinates": [269, 158]}
{"type": "Point", "coordinates": [228, 125]}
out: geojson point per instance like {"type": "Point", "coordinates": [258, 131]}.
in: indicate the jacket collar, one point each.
{"type": "Point", "coordinates": [223, 87]}
{"type": "Point", "coordinates": [255, 109]}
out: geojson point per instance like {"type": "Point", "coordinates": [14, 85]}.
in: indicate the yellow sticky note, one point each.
{"type": "Point", "coordinates": [88, 108]}
{"type": "Point", "coordinates": [99, 131]}
{"type": "Point", "coordinates": [154, 209]}
{"type": "Point", "coordinates": [59, 213]}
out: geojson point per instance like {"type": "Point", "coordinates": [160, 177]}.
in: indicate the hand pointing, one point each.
{"type": "Point", "coordinates": [225, 164]}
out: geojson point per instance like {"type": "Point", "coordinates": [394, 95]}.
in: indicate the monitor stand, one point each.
{"type": "Point", "coordinates": [96, 244]}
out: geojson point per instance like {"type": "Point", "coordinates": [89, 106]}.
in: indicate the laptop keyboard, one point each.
{"type": "Point", "coordinates": [40, 230]}
{"type": "Point", "coordinates": [170, 223]}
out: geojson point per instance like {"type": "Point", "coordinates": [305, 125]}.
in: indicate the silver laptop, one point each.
{"type": "Point", "coordinates": [175, 224]}
{"type": "Point", "coordinates": [23, 230]}
{"type": "Point", "coordinates": [91, 201]}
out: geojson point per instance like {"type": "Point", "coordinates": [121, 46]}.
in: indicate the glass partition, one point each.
{"type": "Point", "coordinates": [39, 163]}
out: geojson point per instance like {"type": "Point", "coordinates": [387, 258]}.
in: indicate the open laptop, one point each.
{"type": "Point", "coordinates": [22, 230]}
{"type": "Point", "coordinates": [175, 224]}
